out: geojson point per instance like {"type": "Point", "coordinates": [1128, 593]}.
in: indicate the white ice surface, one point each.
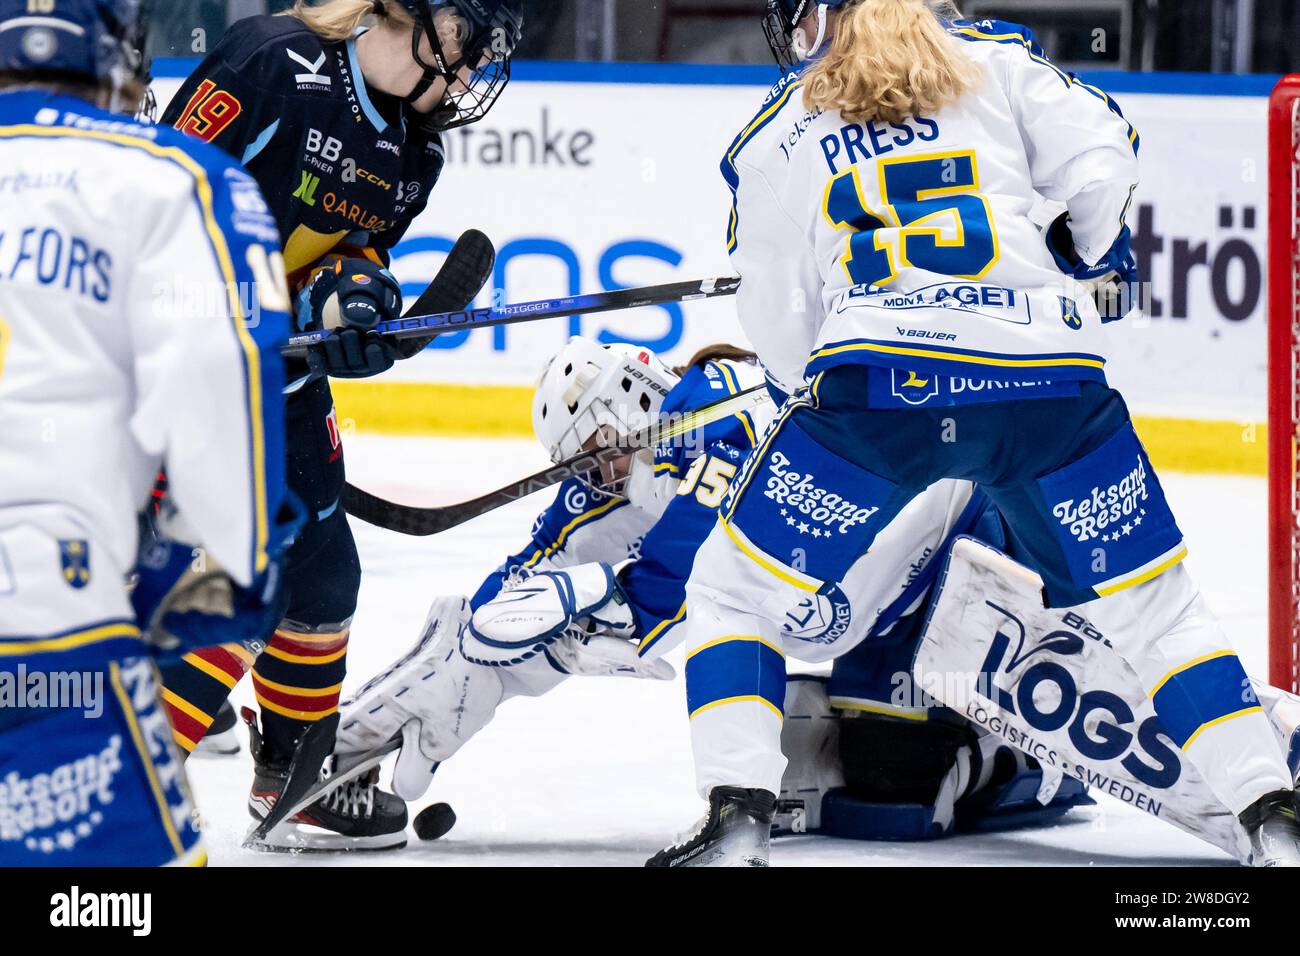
{"type": "Point", "coordinates": [599, 772]}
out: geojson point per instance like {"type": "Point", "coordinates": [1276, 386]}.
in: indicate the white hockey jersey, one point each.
{"type": "Point", "coordinates": [142, 307]}
{"type": "Point", "coordinates": [911, 245]}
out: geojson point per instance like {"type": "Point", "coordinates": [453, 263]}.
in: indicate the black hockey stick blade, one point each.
{"type": "Point", "coordinates": [314, 748]}
{"type": "Point", "coordinates": [463, 275]}
{"type": "Point", "coordinates": [421, 522]}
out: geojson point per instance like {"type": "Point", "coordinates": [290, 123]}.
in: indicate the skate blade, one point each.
{"type": "Point", "coordinates": [296, 838]}
{"type": "Point", "coordinates": [279, 834]}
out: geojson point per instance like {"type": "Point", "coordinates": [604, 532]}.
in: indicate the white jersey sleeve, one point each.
{"type": "Point", "coordinates": [780, 300]}
{"type": "Point", "coordinates": [207, 317]}
{"type": "Point", "coordinates": [144, 309]}
{"type": "Point", "coordinates": [1080, 148]}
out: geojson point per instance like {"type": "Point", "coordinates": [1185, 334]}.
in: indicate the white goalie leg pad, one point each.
{"type": "Point", "coordinates": [432, 698]}
{"type": "Point", "coordinates": [1165, 631]}
{"type": "Point", "coordinates": [527, 617]}
{"type": "Point", "coordinates": [1049, 684]}
{"type": "Point", "coordinates": [1283, 711]}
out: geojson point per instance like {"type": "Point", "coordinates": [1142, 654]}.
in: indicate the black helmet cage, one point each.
{"type": "Point", "coordinates": [498, 37]}
{"type": "Point", "coordinates": [779, 24]}
{"type": "Point", "coordinates": [124, 46]}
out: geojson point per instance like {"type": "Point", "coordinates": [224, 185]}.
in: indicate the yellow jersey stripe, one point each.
{"type": "Point", "coordinates": [1220, 720]}
{"type": "Point", "coordinates": [739, 700]}
{"type": "Point", "coordinates": [961, 358]}
{"type": "Point", "coordinates": [733, 638]}
{"type": "Point", "coordinates": [68, 641]}
{"type": "Point", "coordinates": [770, 566]}
{"type": "Point", "coordinates": [1183, 668]}
{"type": "Point", "coordinates": [146, 761]}
{"type": "Point", "coordinates": [569, 528]}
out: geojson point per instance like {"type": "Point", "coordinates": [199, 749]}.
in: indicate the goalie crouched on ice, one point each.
{"type": "Point", "coordinates": [557, 607]}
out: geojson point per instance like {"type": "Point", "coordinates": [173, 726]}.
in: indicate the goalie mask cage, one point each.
{"type": "Point", "coordinates": [1284, 384]}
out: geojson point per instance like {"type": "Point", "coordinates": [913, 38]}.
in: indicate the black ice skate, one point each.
{"type": "Point", "coordinates": [1273, 824]}
{"type": "Point", "coordinates": [221, 740]}
{"type": "Point", "coordinates": [737, 831]}
{"type": "Point", "coordinates": [356, 815]}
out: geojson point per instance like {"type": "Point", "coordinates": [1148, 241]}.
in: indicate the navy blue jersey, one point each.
{"type": "Point", "coordinates": [342, 167]}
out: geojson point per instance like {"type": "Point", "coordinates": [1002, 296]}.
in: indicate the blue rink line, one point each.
{"type": "Point", "coordinates": [699, 74]}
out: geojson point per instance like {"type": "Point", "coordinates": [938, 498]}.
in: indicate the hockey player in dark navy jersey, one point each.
{"type": "Point", "coordinates": [337, 110]}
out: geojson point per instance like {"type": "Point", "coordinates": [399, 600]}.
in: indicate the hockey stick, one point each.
{"type": "Point", "coordinates": [462, 277]}
{"type": "Point", "coordinates": [458, 320]}
{"type": "Point", "coordinates": [421, 522]}
{"type": "Point", "coordinates": [464, 272]}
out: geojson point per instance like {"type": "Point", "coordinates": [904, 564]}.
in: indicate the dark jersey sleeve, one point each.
{"type": "Point", "coordinates": [235, 98]}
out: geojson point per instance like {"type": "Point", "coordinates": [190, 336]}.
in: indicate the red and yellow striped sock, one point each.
{"type": "Point", "coordinates": [298, 680]}
{"type": "Point", "coordinates": [195, 687]}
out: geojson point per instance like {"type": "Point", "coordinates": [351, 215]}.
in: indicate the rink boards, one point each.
{"type": "Point", "coordinates": [595, 176]}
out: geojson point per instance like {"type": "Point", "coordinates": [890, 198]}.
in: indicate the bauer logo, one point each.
{"type": "Point", "coordinates": [810, 508]}
{"type": "Point", "coordinates": [1117, 507]}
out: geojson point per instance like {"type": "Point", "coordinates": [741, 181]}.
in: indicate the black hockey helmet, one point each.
{"type": "Point", "coordinates": [492, 30]}
{"type": "Point", "coordinates": [781, 22]}
{"type": "Point", "coordinates": [98, 40]}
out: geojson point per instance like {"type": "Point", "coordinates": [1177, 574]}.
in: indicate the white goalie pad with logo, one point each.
{"type": "Point", "coordinates": [1046, 682]}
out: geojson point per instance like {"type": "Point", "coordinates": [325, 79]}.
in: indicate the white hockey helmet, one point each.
{"type": "Point", "coordinates": [589, 389]}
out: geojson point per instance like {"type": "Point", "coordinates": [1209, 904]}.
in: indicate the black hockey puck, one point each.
{"type": "Point", "coordinates": [434, 821]}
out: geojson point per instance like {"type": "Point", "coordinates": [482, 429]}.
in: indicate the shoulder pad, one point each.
{"type": "Point", "coordinates": [264, 44]}
{"type": "Point", "coordinates": [776, 100]}
{"type": "Point", "coordinates": [696, 388]}
{"type": "Point", "coordinates": [996, 31]}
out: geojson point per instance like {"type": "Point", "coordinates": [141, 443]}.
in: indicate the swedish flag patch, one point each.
{"type": "Point", "coordinates": [74, 554]}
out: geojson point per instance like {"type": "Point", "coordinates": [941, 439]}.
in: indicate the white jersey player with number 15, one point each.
{"type": "Point", "coordinates": [896, 284]}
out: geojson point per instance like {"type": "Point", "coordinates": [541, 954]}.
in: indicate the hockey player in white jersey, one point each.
{"type": "Point", "coordinates": [141, 314]}
{"type": "Point", "coordinates": [882, 229]}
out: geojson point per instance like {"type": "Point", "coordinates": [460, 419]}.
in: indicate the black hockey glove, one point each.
{"type": "Point", "coordinates": [351, 298]}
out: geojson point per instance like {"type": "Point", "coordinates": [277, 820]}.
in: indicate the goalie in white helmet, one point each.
{"type": "Point", "coordinates": [563, 609]}
{"type": "Point", "coordinates": [589, 395]}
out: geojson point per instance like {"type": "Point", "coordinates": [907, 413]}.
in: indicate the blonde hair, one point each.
{"type": "Point", "coordinates": [888, 60]}
{"type": "Point", "coordinates": [336, 20]}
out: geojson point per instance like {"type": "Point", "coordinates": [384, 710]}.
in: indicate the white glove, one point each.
{"type": "Point", "coordinates": [431, 697]}
{"type": "Point", "coordinates": [595, 655]}
{"type": "Point", "coordinates": [527, 617]}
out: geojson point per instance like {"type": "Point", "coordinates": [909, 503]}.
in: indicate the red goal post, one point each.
{"type": "Point", "coordinates": [1284, 384]}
